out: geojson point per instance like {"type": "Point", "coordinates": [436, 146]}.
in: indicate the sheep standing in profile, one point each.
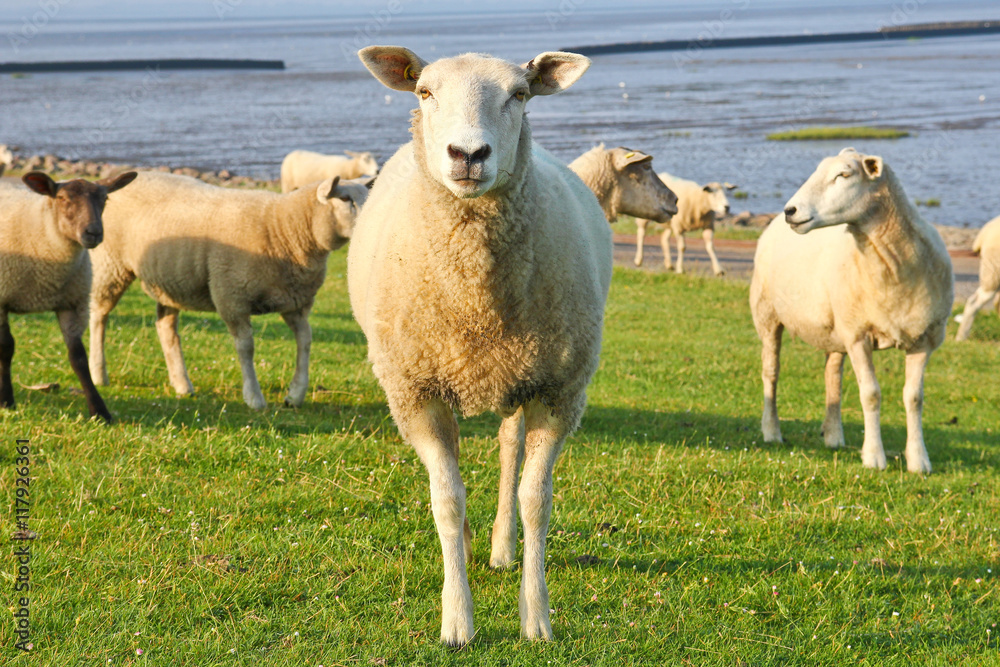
{"type": "Point", "coordinates": [851, 267]}
{"type": "Point", "coordinates": [44, 232]}
{"type": "Point", "coordinates": [201, 247]}
{"type": "Point", "coordinates": [302, 167]}
{"type": "Point", "coordinates": [624, 183]}
{"type": "Point", "coordinates": [699, 206]}
{"type": "Point", "coordinates": [478, 272]}
{"type": "Point", "coordinates": [987, 244]}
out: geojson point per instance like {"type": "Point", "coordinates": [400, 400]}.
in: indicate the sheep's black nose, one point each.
{"type": "Point", "coordinates": [478, 155]}
{"type": "Point", "coordinates": [790, 211]}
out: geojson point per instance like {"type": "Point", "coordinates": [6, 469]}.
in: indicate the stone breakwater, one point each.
{"type": "Point", "coordinates": [63, 168]}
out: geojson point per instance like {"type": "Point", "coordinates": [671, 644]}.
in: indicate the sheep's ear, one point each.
{"type": "Point", "coordinates": [119, 182]}
{"type": "Point", "coordinates": [351, 154]}
{"type": "Point", "coordinates": [729, 186]}
{"type": "Point", "coordinates": [396, 67]}
{"type": "Point", "coordinates": [369, 181]}
{"type": "Point", "coordinates": [624, 157]}
{"type": "Point", "coordinates": [41, 183]}
{"type": "Point", "coordinates": [872, 165]}
{"type": "Point", "coordinates": [707, 188]}
{"type": "Point", "coordinates": [554, 71]}
{"type": "Point", "coordinates": [329, 189]}
{"type": "Point", "coordinates": [846, 151]}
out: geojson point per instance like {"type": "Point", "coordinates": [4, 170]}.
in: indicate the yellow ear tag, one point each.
{"type": "Point", "coordinates": [629, 154]}
{"type": "Point", "coordinates": [407, 75]}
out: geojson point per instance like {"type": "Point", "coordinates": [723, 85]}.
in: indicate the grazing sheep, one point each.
{"type": "Point", "coordinates": [699, 206]}
{"type": "Point", "coordinates": [882, 279]}
{"type": "Point", "coordinates": [201, 247]}
{"type": "Point", "coordinates": [625, 184]}
{"type": "Point", "coordinates": [987, 244]}
{"type": "Point", "coordinates": [479, 270]}
{"type": "Point", "coordinates": [302, 167]}
{"type": "Point", "coordinates": [44, 230]}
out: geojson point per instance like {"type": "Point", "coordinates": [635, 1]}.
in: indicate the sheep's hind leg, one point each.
{"type": "Point", "coordinates": [833, 427]}
{"type": "Point", "coordinates": [298, 322]}
{"type": "Point", "coordinates": [170, 343]}
{"type": "Point", "coordinates": [979, 299]}
{"type": "Point", "coordinates": [504, 542]}
{"type": "Point", "coordinates": [71, 324]}
{"type": "Point", "coordinates": [6, 357]}
{"type": "Point", "coordinates": [872, 452]}
{"type": "Point", "coordinates": [432, 431]}
{"type": "Point", "coordinates": [913, 398]}
{"type": "Point", "coordinates": [545, 431]}
{"type": "Point", "coordinates": [770, 357]}
{"type": "Point", "coordinates": [242, 333]}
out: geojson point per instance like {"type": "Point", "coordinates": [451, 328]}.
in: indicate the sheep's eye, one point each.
{"type": "Point", "coordinates": [520, 95]}
{"type": "Point", "coordinates": [843, 174]}
{"type": "Point", "coordinates": [424, 93]}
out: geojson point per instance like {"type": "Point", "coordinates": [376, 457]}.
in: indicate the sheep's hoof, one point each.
{"type": "Point", "coordinates": [537, 629]}
{"type": "Point", "coordinates": [720, 272]}
{"type": "Point", "coordinates": [637, 262]}
{"type": "Point", "coordinates": [876, 461]}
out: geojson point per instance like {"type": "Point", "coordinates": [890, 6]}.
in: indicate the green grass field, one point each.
{"type": "Point", "coordinates": [201, 533]}
{"type": "Point", "coordinates": [826, 133]}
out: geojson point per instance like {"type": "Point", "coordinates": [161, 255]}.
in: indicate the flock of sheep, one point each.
{"type": "Point", "coordinates": [478, 270]}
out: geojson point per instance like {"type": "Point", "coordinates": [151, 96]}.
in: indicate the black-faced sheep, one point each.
{"type": "Point", "coordinates": [45, 230]}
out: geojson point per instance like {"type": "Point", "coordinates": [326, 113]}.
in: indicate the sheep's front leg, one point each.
{"type": "Point", "coordinates": [545, 432]}
{"type": "Point", "coordinates": [913, 398]}
{"type": "Point", "coordinates": [242, 333]}
{"type": "Point", "coordinates": [504, 542]}
{"type": "Point", "coordinates": [872, 452]}
{"type": "Point", "coordinates": [170, 343]}
{"type": "Point", "coordinates": [979, 299]}
{"type": "Point", "coordinates": [770, 357]}
{"type": "Point", "coordinates": [432, 431]}
{"type": "Point", "coordinates": [6, 357]}
{"type": "Point", "coordinates": [681, 246]}
{"type": "Point", "coordinates": [298, 322]}
{"type": "Point", "coordinates": [640, 236]}
{"type": "Point", "coordinates": [665, 245]}
{"type": "Point", "coordinates": [71, 325]}
{"type": "Point", "coordinates": [107, 289]}
{"type": "Point", "coordinates": [709, 236]}
{"type": "Point", "coordinates": [833, 427]}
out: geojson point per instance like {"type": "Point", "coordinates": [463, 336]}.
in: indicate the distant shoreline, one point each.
{"type": "Point", "coordinates": [916, 31]}
{"type": "Point", "coordinates": [138, 65]}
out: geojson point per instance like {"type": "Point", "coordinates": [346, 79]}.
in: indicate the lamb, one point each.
{"type": "Point", "coordinates": [625, 184]}
{"type": "Point", "coordinates": [478, 272]}
{"type": "Point", "coordinates": [882, 280]}
{"type": "Point", "coordinates": [201, 247]}
{"type": "Point", "coordinates": [45, 229]}
{"type": "Point", "coordinates": [987, 244]}
{"type": "Point", "coordinates": [302, 167]}
{"type": "Point", "coordinates": [699, 207]}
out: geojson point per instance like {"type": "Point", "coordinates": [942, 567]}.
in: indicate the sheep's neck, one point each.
{"type": "Point", "coordinates": [889, 241]}
{"type": "Point", "coordinates": [598, 174]}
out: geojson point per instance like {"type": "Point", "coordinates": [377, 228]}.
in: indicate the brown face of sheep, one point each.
{"type": "Point", "coordinates": [643, 194]}
{"type": "Point", "coordinates": [78, 204]}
